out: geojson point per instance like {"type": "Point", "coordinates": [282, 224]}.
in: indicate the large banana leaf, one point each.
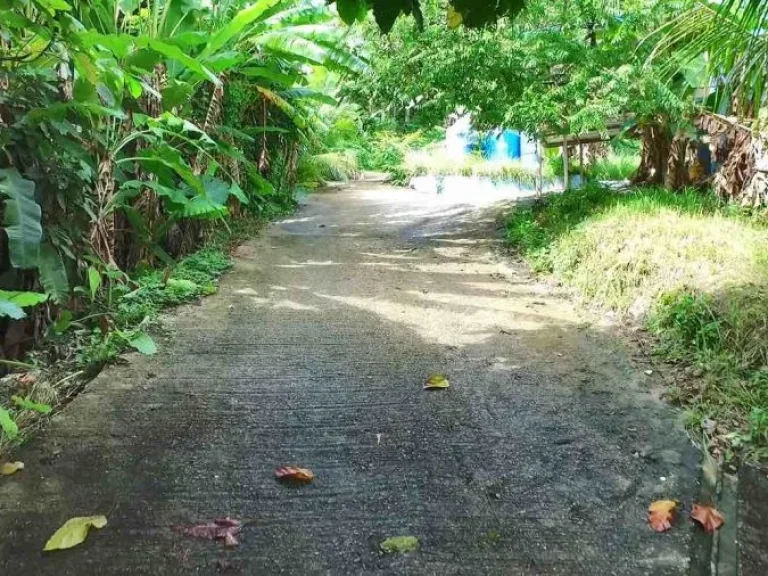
{"type": "Point", "coordinates": [12, 304]}
{"type": "Point", "coordinates": [53, 274]}
{"type": "Point", "coordinates": [21, 219]}
{"type": "Point", "coordinates": [236, 25]}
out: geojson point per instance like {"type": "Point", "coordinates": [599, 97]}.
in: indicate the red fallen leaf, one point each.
{"type": "Point", "coordinates": [661, 513]}
{"type": "Point", "coordinates": [26, 380]}
{"type": "Point", "coordinates": [709, 518]}
{"type": "Point", "coordinates": [293, 474]}
{"type": "Point", "coordinates": [223, 529]}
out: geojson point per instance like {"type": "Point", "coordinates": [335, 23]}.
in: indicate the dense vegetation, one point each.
{"type": "Point", "coordinates": [131, 134]}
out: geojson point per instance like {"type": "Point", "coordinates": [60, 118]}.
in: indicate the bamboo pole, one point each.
{"type": "Point", "coordinates": [566, 168]}
{"type": "Point", "coordinates": [539, 168]}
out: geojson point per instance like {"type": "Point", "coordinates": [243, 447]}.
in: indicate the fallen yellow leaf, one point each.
{"type": "Point", "coordinates": [73, 532]}
{"type": "Point", "coordinates": [437, 382]}
{"type": "Point", "coordinates": [661, 513]}
{"type": "Point", "coordinates": [11, 468]}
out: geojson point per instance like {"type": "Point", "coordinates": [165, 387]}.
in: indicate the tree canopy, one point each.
{"type": "Point", "coordinates": [560, 66]}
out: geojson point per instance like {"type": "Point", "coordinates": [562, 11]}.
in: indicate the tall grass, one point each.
{"type": "Point", "coordinates": [694, 272]}
{"type": "Point", "coordinates": [616, 166]}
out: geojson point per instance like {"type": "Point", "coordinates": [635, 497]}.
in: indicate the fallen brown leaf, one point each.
{"type": "Point", "coordinates": [224, 529]}
{"type": "Point", "coordinates": [9, 468]}
{"type": "Point", "coordinates": [661, 513]}
{"type": "Point", "coordinates": [26, 380]}
{"type": "Point", "coordinates": [294, 474]}
{"type": "Point", "coordinates": [709, 518]}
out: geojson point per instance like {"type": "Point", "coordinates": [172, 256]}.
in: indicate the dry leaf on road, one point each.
{"type": "Point", "coordinates": [709, 518]}
{"type": "Point", "coordinates": [73, 532]}
{"type": "Point", "coordinates": [11, 468]}
{"type": "Point", "coordinates": [437, 382]}
{"type": "Point", "coordinates": [224, 529]}
{"type": "Point", "coordinates": [661, 514]}
{"type": "Point", "coordinates": [294, 474]}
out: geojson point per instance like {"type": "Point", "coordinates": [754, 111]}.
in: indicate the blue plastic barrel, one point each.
{"type": "Point", "coordinates": [513, 141]}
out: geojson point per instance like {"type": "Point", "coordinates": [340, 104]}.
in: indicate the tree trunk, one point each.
{"type": "Point", "coordinates": [677, 176]}
{"type": "Point", "coordinates": [654, 158]}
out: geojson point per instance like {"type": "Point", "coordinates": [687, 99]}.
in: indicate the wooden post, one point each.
{"type": "Point", "coordinates": [539, 168]}
{"type": "Point", "coordinates": [566, 168]}
{"type": "Point", "coordinates": [581, 163]}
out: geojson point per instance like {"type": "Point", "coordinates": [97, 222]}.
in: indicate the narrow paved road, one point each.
{"type": "Point", "coordinates": [540, 459]}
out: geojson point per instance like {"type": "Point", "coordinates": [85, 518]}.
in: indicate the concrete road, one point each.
{"type": "Point", "coordinates": [541, 458]}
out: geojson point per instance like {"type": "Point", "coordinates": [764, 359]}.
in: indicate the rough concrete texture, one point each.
{"type": "Point", "coordinates": [541, 458]}
{"type": "Point", "coordinates": [753, 519]}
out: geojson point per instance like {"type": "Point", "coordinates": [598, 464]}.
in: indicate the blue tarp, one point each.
{"type": "Point", "coordinates": [499, 146]}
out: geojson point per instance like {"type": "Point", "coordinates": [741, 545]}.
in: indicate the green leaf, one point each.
{"type": "Point", "coordinates": [276, 76]}
{"type": "Point", "coordinates": [351, 10]}
{"type": "Point", "coordinates": [27, 404]}
{"type": "Point", "coordinates": [143, 343]}
{"type": "Point", "coordinates": [182, 284]}
{"type": "Point", "coordinates": [175, 195]}
{"type": "Point", "coordinates": [53, 5]}
{"type": "Point", "coordinates": [400, 544]}
{"type": "Point", "coordinates": [386, 12]}
{"type": "Point", "coordinates": [94, 281]}
{"type": "Point", "coordinates": [21, 219]}
{"type": "Point", "coordinates": [175, 53]}
{"type": "Point", "coordinates": [203, 208]}
{"type": "Point", "coordinates": [236, 25]}
{"type": "Point", "coordinates": [238, 193]}
{"type": "Point", "coordinates": [11, 303]}
{"type": "Point", "coordinates": [73, 532]}
{"type": "Point", "coordinates": [7, 423]}
{"type": "Point", "coordinates": [53, 274]}
{"type": "Point", "coordinates": [437, 382]}
{"type": "Point", "coordinates": [176, 94]}
{"type": "Point", "coordinates": [11, 310]}
{"type": "Point", "coordinates": [61, 325]}
{"type": "Point", "coordinates": [310, 94]}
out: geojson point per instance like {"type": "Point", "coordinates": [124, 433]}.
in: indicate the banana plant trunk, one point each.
{"type": "Point", "coordinates": [102, 237]}
{"type": "Point", "coordinates": [654, 158]}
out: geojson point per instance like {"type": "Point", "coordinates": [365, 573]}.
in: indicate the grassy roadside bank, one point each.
{"type": "Point", "coordinates": [695, 275]}
{"type": "Point", "coordinates": [121, 312]}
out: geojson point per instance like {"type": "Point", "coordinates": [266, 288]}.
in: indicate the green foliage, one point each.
{"type": "Point", "coordinates": [693, 271]}
{"type": "Point", "coordinates": [12, 303]}
{"type": "Point", "coordinates": [472, 13]}
{"type": "Point", "coordinates": [21, 219]}
{"type": "Point", "coordinates": [563, 67]}
{"type": "Point", "coordinates": [8, 424]}
{"type": "Point", "coordinates": [328, 166]}
{"type": "Point", "coordinates": [137, 302]}
{"type": "Point", "coordinates": [141, 342]}
{"type": "Point", "coordinates": [27, 404]}
{"type": "Point", "coordinates": [718, 45]}
{"type": "Point", "coordinates": [613, 167]}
